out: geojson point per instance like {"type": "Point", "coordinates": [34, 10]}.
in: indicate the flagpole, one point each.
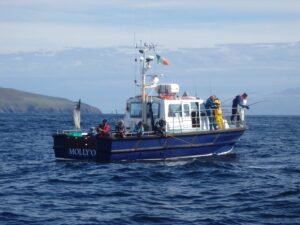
{"type": "Point", "coordinates": [143, 85]}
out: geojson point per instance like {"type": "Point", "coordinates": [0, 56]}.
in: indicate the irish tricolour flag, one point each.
{"type": "Point", "coordinates": [162, 60]}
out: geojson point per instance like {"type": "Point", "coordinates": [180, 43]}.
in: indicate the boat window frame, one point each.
{"type": "Point", "coordinates": [186, 112]}
{"type": "Point", "coordinates": [172, 113]}
{"type": "Point", "coordinates": [137, 110]}
{"type": "Point", "coordinates": [156, 111]}
{"type": "Point", "coordinates": [195, 106]}
{"type": "Point", "coordinates": [195, 114]}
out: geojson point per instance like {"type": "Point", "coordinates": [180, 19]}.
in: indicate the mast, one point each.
{"type": "Point", "coordinates": [145, 66]}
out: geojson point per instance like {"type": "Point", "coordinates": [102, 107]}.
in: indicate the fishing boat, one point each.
{"type": "Point", "coordinates": [186, 128]}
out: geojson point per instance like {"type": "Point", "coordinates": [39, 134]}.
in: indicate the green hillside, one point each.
{"type": "Point", "coordinates": [12, 100]}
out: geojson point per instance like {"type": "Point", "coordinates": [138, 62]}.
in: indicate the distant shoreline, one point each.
{"type": "Point", "coordinates": [17, 101]}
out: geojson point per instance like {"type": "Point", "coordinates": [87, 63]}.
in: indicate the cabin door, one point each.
{"type": "Point", "coordinates": [195, 113]}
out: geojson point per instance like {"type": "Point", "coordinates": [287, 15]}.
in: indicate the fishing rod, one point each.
{"type": "Point", "coordinates": [254, 103]}
{"type": "Point", "coordinates": [231, 98]}
{"type": "Point", "coordinates": [227, 99]}
{"type": "Point", "coordinates": [258, 102]}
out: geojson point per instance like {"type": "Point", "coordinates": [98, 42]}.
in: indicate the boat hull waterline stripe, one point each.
{"type": "Point", "coordinates": [169, 159]}
{"type": "Point", "coordinates": [168, 147]}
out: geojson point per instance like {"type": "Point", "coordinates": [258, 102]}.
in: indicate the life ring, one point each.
{"type": "Point", "coordinates": [167, 97]}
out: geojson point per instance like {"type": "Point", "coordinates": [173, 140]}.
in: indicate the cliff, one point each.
{"type": "Point", "coordinates": [16, 101]}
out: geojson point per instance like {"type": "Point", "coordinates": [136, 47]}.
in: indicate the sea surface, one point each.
{"type": "Point", "coordinates": [258, 184]}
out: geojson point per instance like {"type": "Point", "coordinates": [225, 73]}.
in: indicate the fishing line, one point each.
{"type": "Point", "coordinates": [251, 111]}
{"type": "Point", "coordinates": [227, 99]}
{"type": "Point", "coordinates": [180, 139]}
{"type": "Point", "coordinates": [259, 102]}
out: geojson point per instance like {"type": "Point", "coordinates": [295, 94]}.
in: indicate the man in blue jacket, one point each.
{"type": "Point", "coordinates": [210, 106]}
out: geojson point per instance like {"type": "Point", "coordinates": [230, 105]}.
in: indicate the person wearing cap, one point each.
{"type": "Point", "coordinates": [239, 103]}
{"type": "Point", "coordinates": [120, 129]}
{"type": "Point", "coordinates": [103, 128]}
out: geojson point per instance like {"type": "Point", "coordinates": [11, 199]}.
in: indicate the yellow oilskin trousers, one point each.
{"type": "Point", "coordinates": [219, 114]}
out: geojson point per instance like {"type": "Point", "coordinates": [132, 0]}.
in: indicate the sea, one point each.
{"type": "Point", "coordinates": [259, 183]}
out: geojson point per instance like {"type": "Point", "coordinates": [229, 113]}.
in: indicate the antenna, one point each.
{"type": "Point", "coordinates": [135, 63]}
{"type": "Point", "coordinates": [210, 86]}
{"type": "Point", "coordinates": [145, 60]}
{"type": "Point", "coordinates": [196, 88]}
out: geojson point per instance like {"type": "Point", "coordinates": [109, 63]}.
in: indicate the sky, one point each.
{"type": "Point", "coordinates": [85, 48]}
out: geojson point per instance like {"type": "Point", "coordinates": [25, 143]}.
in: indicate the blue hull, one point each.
{"type": "Point", "coordinates": [107, 149]}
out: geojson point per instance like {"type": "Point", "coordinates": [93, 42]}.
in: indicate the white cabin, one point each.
{"type": "Point", "coordinates": [180, 113]}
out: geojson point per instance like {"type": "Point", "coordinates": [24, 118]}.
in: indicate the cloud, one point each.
{"type": "Point", "coordinates": [55, 25]}
{"type": "Point", "coordinates": [258, 69]}
{"type": "Point", "coordinates": [19, 36]}
{"type": "Point", "coordinates": [230, 4]}
{"type": "Point", "coordinates": [51, 37]}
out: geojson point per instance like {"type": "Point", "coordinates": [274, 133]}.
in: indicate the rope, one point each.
{"type": "Point", "coordinates": [180, 139]}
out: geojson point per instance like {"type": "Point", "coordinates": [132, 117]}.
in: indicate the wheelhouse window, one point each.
{"type": "Point", "coordinates": [195, 114]}
{"type": "Point", "coordinates": [174, 110]}
{"type": "Point", "coordinates": [155, 110]}
{"type": "Point", "coordinates": [135, 110]}
{"type": "Point", "coordinates": [186, 110]}
{"type": "Point", "coordinates": [194, 106]}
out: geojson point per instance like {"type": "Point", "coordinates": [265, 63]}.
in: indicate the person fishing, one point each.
{"type": "Point", "coordinates": [160, 127]}
{"type": "Point", "coordinates": [210, 106]}
{"type": "Point", "coordinates": [120, 129]}
{"type": "Point", "coordinates": [103, 128]}
{"type": "Point", "coordinates": [239, 103]}
{"type": "Point", "coordinates": [139, 129]}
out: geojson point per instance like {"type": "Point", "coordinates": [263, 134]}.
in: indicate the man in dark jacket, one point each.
{"type": "Point", "coordinates": [238, 104]}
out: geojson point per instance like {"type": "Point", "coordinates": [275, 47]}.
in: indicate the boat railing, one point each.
{"type": "Point", "coordinates": [133, 134]}
{"type": "Point", "coordinates": [74, 132]}
{"type": "Point", "coordinates": [206, 120]}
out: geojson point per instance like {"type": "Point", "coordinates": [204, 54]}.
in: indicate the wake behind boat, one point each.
{"type": "Point", "coordinates": [159, 125]}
